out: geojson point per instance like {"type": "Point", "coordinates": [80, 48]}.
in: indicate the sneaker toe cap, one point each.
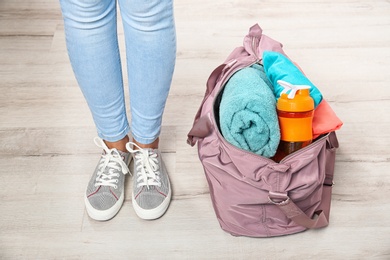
{"type": "Point", "coordinates": [150, 199]}
{"type": "Point", "coordinates": [102, 201]}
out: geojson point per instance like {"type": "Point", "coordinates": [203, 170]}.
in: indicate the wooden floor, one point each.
{"type": "Point", "coordinates": [47, 151]}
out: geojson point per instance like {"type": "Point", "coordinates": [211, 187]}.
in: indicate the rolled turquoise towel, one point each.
{"type": "Point", "coordinates": [247, 112]}
{"type": "Point", "coordinates": [279, 67]}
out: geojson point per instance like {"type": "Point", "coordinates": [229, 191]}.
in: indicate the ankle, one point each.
{"type": "Point", "coordinates": [119, 145]}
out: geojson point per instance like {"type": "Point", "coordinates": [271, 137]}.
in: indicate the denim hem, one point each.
{"type": "Point", "coordinates": [117, 137]}
{"type": "Point", "coordinates": [144, 140]}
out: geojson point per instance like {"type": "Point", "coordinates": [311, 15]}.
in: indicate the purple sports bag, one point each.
{"type": "Point", "coordinates": [253, 195]}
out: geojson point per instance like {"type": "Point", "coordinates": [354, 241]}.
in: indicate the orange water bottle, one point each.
{"type": "Point", "coordinates": [295, 113]}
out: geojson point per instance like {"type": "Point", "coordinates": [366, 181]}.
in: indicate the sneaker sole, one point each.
{"type": "Point", "coordinates": [103, 215]}
{"type": "Point", "coordinates": [150, 214]}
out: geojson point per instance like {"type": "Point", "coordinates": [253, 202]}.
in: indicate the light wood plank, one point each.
{"type": "Point", "coordinates": [46, 131]}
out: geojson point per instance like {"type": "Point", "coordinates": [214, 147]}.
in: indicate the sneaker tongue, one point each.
{"type": "Point", "coordinates": [151, 150]}
{"type": "Point", "coordinates": [123, 154]}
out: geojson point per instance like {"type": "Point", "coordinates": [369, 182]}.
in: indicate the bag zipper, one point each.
{"type": "Point", "coordinates": [302, 150]}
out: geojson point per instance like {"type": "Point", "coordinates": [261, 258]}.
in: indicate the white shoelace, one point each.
{"type": "Point", "coordinates": [147, 167]}
{"type": "Point", "coordinates": [113, 160]}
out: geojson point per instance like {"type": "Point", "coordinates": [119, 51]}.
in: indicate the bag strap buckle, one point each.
{"type": "Point", "coordinates": [278, 198]}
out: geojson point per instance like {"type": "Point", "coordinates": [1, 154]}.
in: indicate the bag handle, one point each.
{"type": "Point", "coordinates": [293, 212]}
{"type": "Point", "coordinates": [196, 130]}
{"type": "Point", "coordinates": [202, 125]}
{"type": "Point", "coordinates": [201, 128]}
{"type": "Point", "coordinates": [255, 43]}
{"type": "Point", "coordinates": [212, 80]}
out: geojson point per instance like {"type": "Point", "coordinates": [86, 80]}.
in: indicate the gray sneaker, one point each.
{"type": "Point", "coordinates": [105, 192]}
{"type": "Point", "coordinates": [151, 187]}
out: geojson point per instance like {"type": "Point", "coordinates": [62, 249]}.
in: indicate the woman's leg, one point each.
{"type": "Point", "coordinates": [151, 53]}
{"type": "Point", "coordinates": [91, 37]}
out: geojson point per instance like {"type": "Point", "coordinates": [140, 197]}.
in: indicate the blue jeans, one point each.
{"type": "Point", "coordinates": [92, 42]}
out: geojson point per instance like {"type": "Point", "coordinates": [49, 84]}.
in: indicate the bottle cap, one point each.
{"type": "Point", "coordinates": [298, 100]}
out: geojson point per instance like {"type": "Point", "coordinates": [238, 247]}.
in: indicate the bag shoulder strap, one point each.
{"type": "Point", "coordinates": [198, 129]}
{"type": "Point", "coordinates": [321, 217]}
{"type": "Point", "coordinates": [239, 60]}
{"type": "Point", "coordinates": [293, 212]}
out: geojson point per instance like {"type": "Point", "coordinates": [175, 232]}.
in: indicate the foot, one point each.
{"type": "Point", "coordinates": [105, 192]}
{"type": "Point", "coordinates": [151, 187]}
